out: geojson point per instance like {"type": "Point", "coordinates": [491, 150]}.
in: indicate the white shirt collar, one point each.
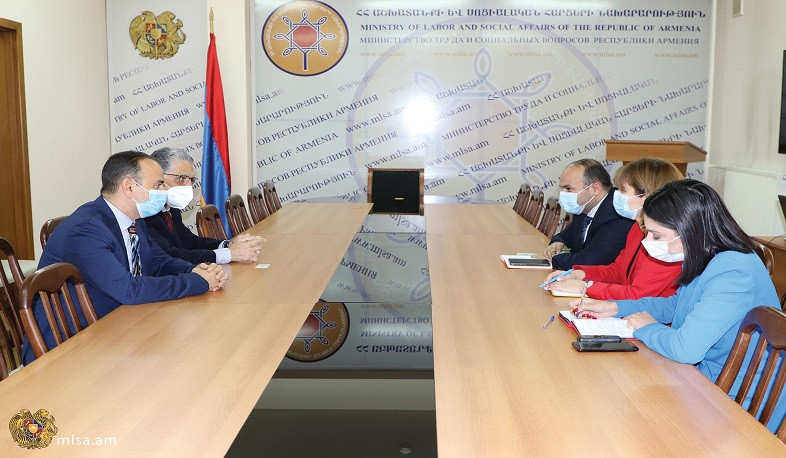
{"type": "Point", "coordinates": [594, 210]}
{"type": "Point", "coordinates": [122, 219]}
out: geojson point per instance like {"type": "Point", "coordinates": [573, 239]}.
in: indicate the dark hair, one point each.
{"type": "Point", "coordinates": [594, 171]}
{"type": "Point", "coordinates": [697, 213]}
{"type": "Point", "coordinates": [120, 166]}
{"type": "Point", "coordinates": [166, 156]}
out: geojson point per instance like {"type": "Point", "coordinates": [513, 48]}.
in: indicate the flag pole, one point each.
{"type": "Point", "coordinates": [211, 20]}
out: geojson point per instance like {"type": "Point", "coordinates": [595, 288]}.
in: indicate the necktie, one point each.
{"type": "Point", "coordinates": [136, 263]}
{"type": "Point", "coordinates": [584, 225]}
{"type": "Point", "coordinates": [169, 223]}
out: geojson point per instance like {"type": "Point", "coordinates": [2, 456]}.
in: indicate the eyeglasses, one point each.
{"type": "Point", "coordinates": [183, 179]}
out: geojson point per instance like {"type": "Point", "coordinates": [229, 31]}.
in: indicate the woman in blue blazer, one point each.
{"type": "Point", "coordinates": [722, 280]}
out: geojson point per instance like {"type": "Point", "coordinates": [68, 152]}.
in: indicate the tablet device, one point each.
{"type": "Point", "coordinates": [529, 262]}
{"type": "Point", "coordinates": [605, 346]}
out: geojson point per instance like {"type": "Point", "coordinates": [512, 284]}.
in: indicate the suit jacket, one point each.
{"type": "Point", "coordinates": [182, 243]}
{"type": "Point", "coordinates": [634, 274]}
{"type": "Point", "coordinates": [605, 238]}
{"type": "Point", "coordinates": [91, 239]}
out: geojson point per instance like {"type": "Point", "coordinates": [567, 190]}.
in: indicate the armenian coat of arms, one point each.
{"type": "Point", "coordinates": [157, 37]}
{"type": "Point", "coordinates": [32, 430]}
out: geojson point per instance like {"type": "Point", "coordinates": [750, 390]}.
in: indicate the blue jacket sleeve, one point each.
{"type": "Point", "coordinates": [91, 248]}
{"type": "Point", "coordinates": [661, 308]}
{"type": "Point", "coordinates": [713, 310]}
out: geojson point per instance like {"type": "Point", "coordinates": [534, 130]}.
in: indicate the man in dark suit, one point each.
{"type": "Point", "coordinates": [597, 233]}
{"type": "Point", "coordinates": [107, 240]}
{"type": "Point", "coordinates": [167, 228]}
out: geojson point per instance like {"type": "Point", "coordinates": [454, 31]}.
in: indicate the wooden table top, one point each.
{"type": "Point", "coordinates": [481, 219]}
{"type": "Point", "coordinates": [505, 386]}
{"type": "Point", "coordinates": [181, 377]}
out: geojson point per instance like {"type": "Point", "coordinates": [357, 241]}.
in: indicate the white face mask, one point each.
{"type": "Point", "coordinates": [570, 201]}
{"type": "Point", "coordinates": [179, 196]}
{"type": "Point", "coordinates": [659, 249]}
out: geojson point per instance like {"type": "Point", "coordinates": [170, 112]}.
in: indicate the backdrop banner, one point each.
{"type": "Point", "coordinates": [485, 97]}
{"type": "Point", "coordinates": [157, 61]}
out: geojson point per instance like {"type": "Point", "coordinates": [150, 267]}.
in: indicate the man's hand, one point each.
{"type": "Point", "coordinates": [214, 274]}
{"type": "Point", "coordinates": [553, 249]}
{"type": "Point", "coordinates": [245, 248]}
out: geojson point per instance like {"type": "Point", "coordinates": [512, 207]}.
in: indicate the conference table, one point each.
{"type": "Point", "coordinates": [181, 377]}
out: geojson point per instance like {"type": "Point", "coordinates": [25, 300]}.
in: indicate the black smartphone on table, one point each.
{"type": "Point", "coordinates": [604, 346]}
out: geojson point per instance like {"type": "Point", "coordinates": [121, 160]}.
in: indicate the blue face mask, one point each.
{"type": "Point", "coordinates": [570, 201]}
{"type": "Point", "coordinates": [621, 205]}
{"type": "Point", "coordinates": [154, 203]}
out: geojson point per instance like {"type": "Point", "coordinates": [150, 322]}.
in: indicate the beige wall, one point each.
{"type": "Point", "coordinates": [64, 46]}
{"type": "Point", "coordinates": [745, 110]}
{"type": "Point", "coordinates": [747, 85]}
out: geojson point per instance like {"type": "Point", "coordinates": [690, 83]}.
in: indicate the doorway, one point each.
{"type": "Point", "coordinates": [15, 207]}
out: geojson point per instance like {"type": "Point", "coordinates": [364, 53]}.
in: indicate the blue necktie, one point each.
{"type": "Point", "coordinates": [136, 263]}
{"type": "Point", "coordinates": [584, 225]}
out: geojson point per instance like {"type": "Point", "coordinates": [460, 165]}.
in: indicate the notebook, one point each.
{"type": "Point", "coordinates": [597, 327]}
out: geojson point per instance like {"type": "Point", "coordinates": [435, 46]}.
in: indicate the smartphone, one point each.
{"type": "Point", "coordinates": [598, 339]}
{"type": "Point", "coordinates": [605, 346]}
{"type": "Point", "coordinates": [529, 262]}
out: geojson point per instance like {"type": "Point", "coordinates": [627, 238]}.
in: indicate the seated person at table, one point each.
{"type": "Point", "coordinates": [635, 273]}
{"type": "Point", "coordinates": [168, 231]}
{"type": "Point", "coordinates": [107, 240]}
{"type": "Point", "coordinates": [722, 279]}
{"type": "Point", "coordinates": [597, 233]}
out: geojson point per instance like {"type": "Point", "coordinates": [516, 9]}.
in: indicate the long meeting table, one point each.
{"type": "Point", "coordinates": [507, 386]}
{"type": "Point", "coordinates": [181, 377]}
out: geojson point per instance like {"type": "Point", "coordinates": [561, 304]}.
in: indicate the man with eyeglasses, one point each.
{"type": "Point", "coordinates": [108, 242]}
{"type": "Point", "coordinates": [167, 228]}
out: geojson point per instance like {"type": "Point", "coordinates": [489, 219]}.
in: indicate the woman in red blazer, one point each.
{"type": "Point", "coordinates": [634, 274]}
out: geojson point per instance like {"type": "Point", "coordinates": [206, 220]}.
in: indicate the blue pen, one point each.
{"type": "Point", "coordinates": [555, 278]}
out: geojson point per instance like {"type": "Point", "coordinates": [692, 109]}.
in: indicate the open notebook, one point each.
{"type": "Point", "coordinates": [597, 327]}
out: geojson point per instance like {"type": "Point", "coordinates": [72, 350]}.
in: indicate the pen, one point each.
{"type": "Point", "coordinates": [581, 301]}
{"type": "Point", "coordinates": [548, 322]}
{"type": "Point", "coordinates": [555, 278]}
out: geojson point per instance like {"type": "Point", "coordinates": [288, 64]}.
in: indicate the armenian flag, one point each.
{"type": "Point", "coordinates": [216, 178]}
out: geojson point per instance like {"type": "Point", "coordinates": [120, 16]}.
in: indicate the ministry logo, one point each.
{"type": "Point", "coordinates": [305, 38]}
{"type": "Point", "coordinates": [323, 333]}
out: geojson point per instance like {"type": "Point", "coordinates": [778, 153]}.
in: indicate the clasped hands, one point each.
{"type": "Point", "coordinates": [214, 274]}
{"type": "Point", "coordinates": [245, 248]}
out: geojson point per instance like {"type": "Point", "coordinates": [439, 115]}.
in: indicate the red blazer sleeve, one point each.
{"type": "Point", "coordinates": [648, 277]}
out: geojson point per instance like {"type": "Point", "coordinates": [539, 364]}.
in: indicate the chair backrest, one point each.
{"type": "Point", "coordinates": [257, 205]}
{"type": "Point", "coordinates": [237, 214]}
{"type": "Point", "coordinates": [273, 202]}
{"type": "Point", "coordinates": [49, 227]}
{"type": "Point", "coordinates": [51, 285]}
{"type": "Point", "coordinates": [208, 222]}
{"type": "Point", "coordinates": [554, 209]}
{"type": "Point", "coordinates": [766, 257]}
{"type": "Point", "coordinates": [548, 214]}
{"type": "Point", "coordinates": [396, 190]}
{"type": "Point", "coordinates": [522, 198]}
{"type": "Point", "coordinates": [770, 323]}
{"type": "Point", "coordinates": [534, 207]}
{"type": "Point", "coordinates": [567, 219]}
{"type": "Point", "coordinates": [11, 330]}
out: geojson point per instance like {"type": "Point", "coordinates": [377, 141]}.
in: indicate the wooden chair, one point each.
{"type": "Point", "coordinates": [766, 257]}
{"type": "Point", "coordinates": [49, 227]}
{"type": "Point", "coordinates": [534, 207]}
{"type": "Point", "coordinates": [51, 283]}
{"type": "Point", "coordinates": [551, 217]}
{"type": "Point", "coordinates": [257, 205]}
{"type": "Point", "coordinates": [11, 330]}
{"type": "Point", "coordinates": [273, 202]}
{"type": "Point", "coordinates": [237, 215]}
{"type": "Point", "coordinates": [770, 323]}
{"type": "Point", "coordinates": [522, 199]}
{"type": "Point", "coordinates": [208, 222]}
